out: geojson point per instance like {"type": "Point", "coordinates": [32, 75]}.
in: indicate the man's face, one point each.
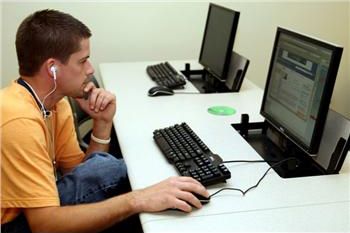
{"type": "Point", "coordinates": [73, 76]}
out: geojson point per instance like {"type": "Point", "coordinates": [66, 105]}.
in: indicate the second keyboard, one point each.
{"type": "Point", "coordinates": [165, 75]}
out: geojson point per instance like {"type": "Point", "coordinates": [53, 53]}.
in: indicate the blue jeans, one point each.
{"type": "Point", "coordinates": [99, 177]}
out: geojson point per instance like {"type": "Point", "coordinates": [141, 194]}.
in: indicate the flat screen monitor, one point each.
{"type": "Point", "coordinates": [299, 87]}
{"type": "Point", "coordinates": [218, 39]}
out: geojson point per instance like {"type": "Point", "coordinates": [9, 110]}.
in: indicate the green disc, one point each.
{"type": "Point", "coordinates": [221, 110]}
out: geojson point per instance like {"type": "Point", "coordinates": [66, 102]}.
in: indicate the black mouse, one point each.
{"type": "Point", "coordinates": [202, 199]}
{"type": "Point", "coordinates": [160, 90]}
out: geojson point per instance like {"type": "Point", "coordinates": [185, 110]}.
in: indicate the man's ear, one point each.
{"type": "Point", "coordinates": [51, 67]}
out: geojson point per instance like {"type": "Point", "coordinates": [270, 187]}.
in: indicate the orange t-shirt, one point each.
{"type": "Point", "coordinates": [27, 173]}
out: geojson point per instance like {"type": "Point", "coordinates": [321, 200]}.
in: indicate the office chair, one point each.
{"type": "Point", "coordinates": [83, 127]}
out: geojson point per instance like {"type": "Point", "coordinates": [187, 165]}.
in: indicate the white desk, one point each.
{"type": "Point", "coordinates": [298, 204]}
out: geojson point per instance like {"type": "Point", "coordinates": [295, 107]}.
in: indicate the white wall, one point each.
{"type": "Point", "coordinates": [121, 31]}
{"type": "Point", "coordinates": [139, 31]}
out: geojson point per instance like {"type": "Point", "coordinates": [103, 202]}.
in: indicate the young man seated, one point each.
{"type": "Point", "coordinates": [39, 141]}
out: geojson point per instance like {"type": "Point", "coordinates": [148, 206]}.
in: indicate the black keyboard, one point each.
{"type": "Point", "coordinates": [191, 157]}
{"type": "Point", "coordinates": [165, 75]}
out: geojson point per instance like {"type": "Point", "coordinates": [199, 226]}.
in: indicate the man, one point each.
{"type": "Point", "coordinates": [38, 140]}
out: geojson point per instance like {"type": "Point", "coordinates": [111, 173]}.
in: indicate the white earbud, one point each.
{"type": "Point", "coordinates": [53, 71]}
{"type": "Point", "coordinates": [46, 113]}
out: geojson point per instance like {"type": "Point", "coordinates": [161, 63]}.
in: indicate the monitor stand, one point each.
{"type": "Point", "coordinates": [274, 147]}
{"type": "Point", "coordinates": [203, 81]}
{"type": "Point", "coordinates": [196, 77]}
{"type": "Point", "coordinates": [206, 83]}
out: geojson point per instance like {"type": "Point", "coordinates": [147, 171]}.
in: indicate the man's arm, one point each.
{"type": "Point", "coordinates": [175, 192]}
{"type": "Point", "coordinates": [101, 106]}
{"type": "Point", "coordinates": [81, 218]}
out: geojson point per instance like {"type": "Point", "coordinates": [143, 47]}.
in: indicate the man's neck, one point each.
{"type": "Point", "coordinates": [43, 88]}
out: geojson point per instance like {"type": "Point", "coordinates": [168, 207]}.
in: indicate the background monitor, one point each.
{"type": "Point", "coordinates": [218, 39]}
{"type": "Point", "coordinates": [299, 87]}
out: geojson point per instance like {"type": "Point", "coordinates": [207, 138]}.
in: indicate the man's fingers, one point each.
{"type": "Point", "coordinates": [189, 179]}
{"type": "Point", "coordinates": [191, 185]}
{"type": "Point", "coordinates": [182, 205]}
{"type": "Point", "coordinates": [190, 199]}
{"type": "Point", "coordinates": [93, 98]}
{"type": "Point", "coordinates": [89, 86]}
{"type": "Point", "coordinates": [99, 101]}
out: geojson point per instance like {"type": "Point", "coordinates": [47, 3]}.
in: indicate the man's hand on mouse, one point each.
{"type": "Point", "coordinates": [172, 193]}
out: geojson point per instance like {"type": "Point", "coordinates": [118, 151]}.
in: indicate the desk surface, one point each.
{"type": "Point", "coordinates": [304, 203]}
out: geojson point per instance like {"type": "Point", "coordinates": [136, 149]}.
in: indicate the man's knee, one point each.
{"type": "Point", "coordinates": [105, 165]}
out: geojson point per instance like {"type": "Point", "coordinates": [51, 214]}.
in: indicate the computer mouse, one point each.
{"type": "Point", "coordinates": [202, 199]}
{"type": "Point", "coordinates": [160, 90]}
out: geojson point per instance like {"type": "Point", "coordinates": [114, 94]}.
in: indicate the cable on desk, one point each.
{"type": "Point", "coordinates": [256, 185]}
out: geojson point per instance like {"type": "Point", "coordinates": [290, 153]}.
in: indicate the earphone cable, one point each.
{"type": "Point", "coordinates": [52, 91]}
{"type": "Point", "coordinates": [42, 106]}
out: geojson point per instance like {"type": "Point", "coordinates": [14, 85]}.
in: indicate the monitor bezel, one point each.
{"type": "Point", "coordinates": [222, 77]}
{"type": "Point", "coordinates": [313, 147]}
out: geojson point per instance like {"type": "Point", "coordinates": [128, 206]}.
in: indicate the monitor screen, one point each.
{"type": "Point", "coordinates": [299, 87]}
{"type": "Point", "coordinates": [218, 39]}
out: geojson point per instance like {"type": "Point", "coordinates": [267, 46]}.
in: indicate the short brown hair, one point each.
{"type": "Point", "coordinates": [45, 34]}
